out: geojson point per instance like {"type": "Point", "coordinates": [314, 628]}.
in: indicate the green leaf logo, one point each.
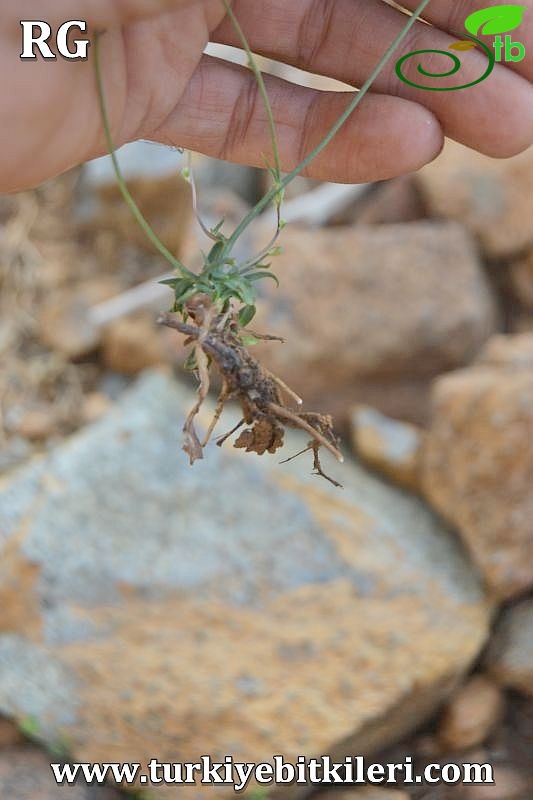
{"type": "Point", "coordinates": [497, 19]}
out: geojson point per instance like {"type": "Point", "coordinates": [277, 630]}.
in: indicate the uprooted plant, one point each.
{"type": "Point", "coordinates": [213, 308]}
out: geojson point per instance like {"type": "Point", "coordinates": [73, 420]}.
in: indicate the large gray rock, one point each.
{"type": "Point", "coordinates": [235, 607]}
{"type": "Point", "coordinates": [510, 655]}
{"type": "Point", "coordinates": [25, 774]}
{"type": "Point", "coordinates": [477, 462]}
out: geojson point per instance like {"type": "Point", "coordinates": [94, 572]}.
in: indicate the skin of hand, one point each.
{"type": "Point", "coordinates": [160, 86]}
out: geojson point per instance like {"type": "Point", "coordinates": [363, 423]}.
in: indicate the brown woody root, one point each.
{"type": "Point", "coordinates": [215, 339]}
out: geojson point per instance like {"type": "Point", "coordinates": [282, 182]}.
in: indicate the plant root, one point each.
{"type": "Point", "coordinates": [216, 341]}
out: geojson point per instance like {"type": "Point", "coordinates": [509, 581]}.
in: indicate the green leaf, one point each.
{"type": "Point", "coordinates": [29, 726]}
{"type": "Point", "coordinates": [178, 284]}
{"type": "Point", "coordinates": [497, 19]}
{"type": "Point", "coordinates": [249, 340]}
{"type": "Point", "coordinates": [191, 364]}
{"type": "Point", "coordinates": [246, 315]}
{"type": "Point", "coordinates": [253, 268]}
{"type": "Point", "coordinates": [257, 276]}
{"type": "Point", "coordinates": [225, 297]}
{"type": "Point", "coordinates": [247, 294]}
{"type": "Point", "coordinates": [257, 793]}
{"type": "Point", "coordinates": [221, 270]}
{"type": "Point", "coordinates": [204, 286]}
{"type": "Point", "coordinates": [184, 295]}
{"type": "Point", "coordinates": [215, 251]}
{"type": "Point", "coordinates": [242, 289]}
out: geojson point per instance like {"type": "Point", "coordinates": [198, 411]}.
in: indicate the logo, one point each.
{"type": "Point", "coordinates": [495, 20]}
{"type": "Point", "coordinates": [38, 34]}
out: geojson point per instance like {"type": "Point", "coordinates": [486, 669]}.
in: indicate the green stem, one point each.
{"type": "Point", "coordinates": [261, 85]}
{"type": "Point", "coordinates": [134, 208]}
{"type": "Point", "coordinates": [271, 195]}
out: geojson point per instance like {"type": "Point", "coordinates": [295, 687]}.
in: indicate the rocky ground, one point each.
{"type": "Point", "coordinates": [242, 606]}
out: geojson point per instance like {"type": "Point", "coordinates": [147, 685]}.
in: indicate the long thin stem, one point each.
{"type": "Point", "coordinates": [275, 194]}
{"type": "Point", "coordinates": [194, 194]}
{"type": "Point", "coordinates": [134, 208]}
{"type": "Point", "coordinates": [261, 85]}
{"type": "Point", "coordinates": [277, 198]}
{"type": "Point", "coordinates": [271, 195]}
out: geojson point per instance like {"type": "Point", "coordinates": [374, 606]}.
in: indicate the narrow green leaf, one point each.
{"type": "Point", "coordinates": [249, 339]}
{"type": "Point", "coordinates": [247, 294]}
{"type": "Point", "coordinates": [215, 252]}
{"type": "Point", "coordinates": [185, 295]}
{"type": "Point", "coordinates": [29, 726]}
{"type": "Point", "coordinates": [246, 315]}
{"type": "Point", "coordinates": [181, 285]}
{"type": "Point", "coordinates": [191, 364]}
{"type": "Point", "coordinates": [257, 276]}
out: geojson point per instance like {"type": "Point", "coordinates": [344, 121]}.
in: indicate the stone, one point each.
{"type": "Point", "coordinates": [65, 326]}
{"type": "Point", "coordinates": [14, 452]}
{"type": "Point", "coordinates": [521, 322]}
{"type": "Point", "coordinates": [235, 607]}
{"type": "Point", "coordinates": [36, 424]}
{"type": "Point", "coordinates": [492, 197]}
{"type": "Point", "coordinates": [164, 201]}
{"type": "Point", "coordinates": [477, 464]}
{"type": "Point", "coordinates": [95, 405]}
{"type": "Point", "coordinates": [508, 352]}
{"type": "Point", "coordinates": [389, 446]}
{"type": "Point", "coordinates": [508, 785]}
{"type": "Point", "coordinates": [132, 344]}
{"type": "Point", "coordinates": [522, 280]}
{"type": "Point", "coordinates": [154, 176]}
{"type": "Point", "coordinates": [65, 323]}
{"type": "Point", "coordinates": [510, 654]}
{"type": "Point", "coordinates": [25, 774]}
{"type": "Point", "coordinates": [471, 714]}
{"type": "Point", "coordinates": [10, 734]}
{"type": "Point", "coordinates": [364, 310]}
{"type": "Point", "coordinates": [154, 179]}
{"type": "Point", "coordinates": [364, 793]}
{"type": "Point", "coordinates": [390, 202]}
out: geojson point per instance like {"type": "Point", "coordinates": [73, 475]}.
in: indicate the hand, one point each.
{"type": "Point", "coordinates": [160, 86]}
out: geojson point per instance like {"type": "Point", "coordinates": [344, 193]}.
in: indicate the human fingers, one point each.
{"type": "Point", "coordinates": [221, 114]}
{"type": "Point", "coordinates": [344, 39]}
